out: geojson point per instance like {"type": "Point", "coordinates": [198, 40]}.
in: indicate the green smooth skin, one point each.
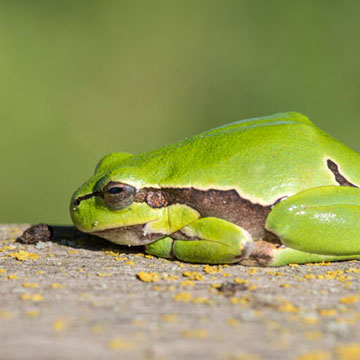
{"type": "Point", "coordinates": [262, 159]}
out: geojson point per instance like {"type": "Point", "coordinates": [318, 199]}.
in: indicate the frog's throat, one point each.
{"type": "Point", "coordinates": [136, 235]}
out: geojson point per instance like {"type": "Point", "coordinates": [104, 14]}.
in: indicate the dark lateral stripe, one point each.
{"type": "Point", "coordinates": [78, 200]}
{"type": "Point", "coordinates": [223, 204]}
{"type": "Point", "coordinates": [340, 179]}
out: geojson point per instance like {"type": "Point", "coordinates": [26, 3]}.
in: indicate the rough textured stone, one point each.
{"type": "Point", "coordinates": [78, 297]}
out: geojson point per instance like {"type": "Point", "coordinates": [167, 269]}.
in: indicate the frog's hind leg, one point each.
{"type": "Point", "coordinates": [319, 224]}
{"type": "Point", "coordinates": [270, 254]}
{"type": "Point", "coordinates": [207, 240]}
{"type": "Point", "coordinates": [285, 256]}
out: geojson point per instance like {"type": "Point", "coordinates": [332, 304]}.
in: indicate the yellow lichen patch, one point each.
{"type": "Point", "coordinates": [193, 275]}
{"type": "Point", "coordinates": [171, 318]}
{"type": "Point", "coordinates": [8, 247]}
{"type": "Point", "coordinates": [349, 299]}
{"type": "Point", "coordinates": [195, 334]}
{"type": "Point", "coordinates": [348, 352]}
{"type": "Point", "coordinates": [148, 276]}
{"type": "Point", "coordinates": [310, 276]}
{"type": "Point", "coordinates": [202, 300]}
{"type": "Point", "coordinates": [352, 270]}
{"type": "Point", "coordinates": [59, 325]}
{"type": "Point", "coordinates": [32, 313]}
{"type": "Point", "coordinates": [30, 285]}
{"type": "Point", "coordinates": [294, 265]}
{"type": "Point", "coordinates": [2, 271]}
{"type": "Point", "coordinates": [233, 322]}
{"type": "Point", "coordinates": [112, 253]}
{"type": "Point", "coordinates": [215, 285]}
{"type": "Point", "coordinates": [120, 344]}
{"type": "Point", "coordinates": [99, 274]}
{"type": "Point", "coordinates": [275, 273]}
{"type": "Point", "coordinates": [131, 263]}
{"type": "Point", "coordinates": [23, 255]}
{"type": "Point", "coordinates": [337, 274]}
{"type": "Point", "coordinates": [313, 335]}
{"type": "Point", "coordinates": [72, 252]}
{"type": "Point", "coordinates": [252, 271]}
{"type": "Point", "coordinates": [12, 277]}
{"type": "Point", "coordinates": [57, 286]}
{"type": "Point", "coordinates": [4, 314]}
{"type": "Point", "coordinates": [315, 355]}
{"type": "Point", "coordinates": [298, 278]}
{"type": "Point", "coordinates": [187, 283]}
{"type": "Point", "coordinates": [310, 320]}
{"type": "Point", "coordinates": [182, 296]}
{"type": "Point", "coordinates": [170, 277]}
{"type": "Point", "coordinates": [287, 306]}
{"type": "Point", "coordinates": [286, 285]}
{"type": "Point", "coordinates": [244, 300]}
{"type": "Point", "coordinates": [84, 295]}
{"type": "Point", "coordinates": [245, 357]}
{"type": "Point", "coordinates": [121, 258]}
{"type": "Point", "coordinates": [241, 281]}
{"type": "Point", "coordinates": [40, 272]}
{"type": "Point", "coordinates": [227, 275]}
{"type": "Point", "coordinates": [212, 269]}
{"type": "Point", "coordinates": [32, 297]}
{"type": "Point", "coordinates": [327, 312]}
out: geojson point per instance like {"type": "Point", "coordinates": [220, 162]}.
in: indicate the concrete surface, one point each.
{"type": "Point", "coordinates": [78, 297]}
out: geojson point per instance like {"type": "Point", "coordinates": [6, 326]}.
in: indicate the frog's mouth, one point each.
{"type": "Point", "coordinates": [132, 235]}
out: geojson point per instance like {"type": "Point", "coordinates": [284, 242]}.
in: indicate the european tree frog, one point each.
{"type": "Point", "coordinates": [267, 191]}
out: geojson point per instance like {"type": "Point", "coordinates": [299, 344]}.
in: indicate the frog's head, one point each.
{"type": "Point", "coordinates": [112, 203]}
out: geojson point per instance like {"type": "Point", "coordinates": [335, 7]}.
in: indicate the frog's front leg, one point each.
{"type": "Point", "coordinates": [321, 223]}
{"type": "Point", "coordinates": [206, 240]}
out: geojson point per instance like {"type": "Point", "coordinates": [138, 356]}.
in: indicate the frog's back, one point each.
{"type": "Point", "coordinates": [261, 158]}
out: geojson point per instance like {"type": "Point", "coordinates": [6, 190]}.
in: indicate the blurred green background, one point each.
{"type": "Point", "coordinates": [80, 79]}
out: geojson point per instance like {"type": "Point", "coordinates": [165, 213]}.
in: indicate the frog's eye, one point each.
{"type": "Point", "coordinates": [118, 195]}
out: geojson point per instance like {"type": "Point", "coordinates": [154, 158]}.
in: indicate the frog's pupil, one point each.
{"type": "Point", "coordinates": [115, 190]}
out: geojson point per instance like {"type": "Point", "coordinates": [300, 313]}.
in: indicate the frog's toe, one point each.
{"type": "Point", "coordinates": [247, 250]}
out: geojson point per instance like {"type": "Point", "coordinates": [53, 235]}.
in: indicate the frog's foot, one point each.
{"type": "Point", "coordinates": [208, 240]}
{"type": "Point", "coordinates": [319, 224]}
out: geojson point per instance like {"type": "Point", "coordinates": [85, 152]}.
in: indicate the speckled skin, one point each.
{"type": "Point", "coordinates": [260, 161]}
